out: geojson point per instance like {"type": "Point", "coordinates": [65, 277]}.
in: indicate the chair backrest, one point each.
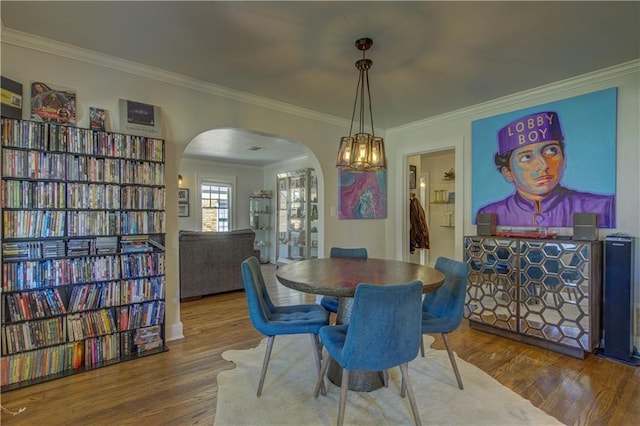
{"type": "Point", "coordinates": [448, 300]}
{"type": "Point", "coordinates": [258, 301]}
{"type": "Point", "coordinates": [358, 253]}
{"type": "Point", "coordinates": [385, 326]}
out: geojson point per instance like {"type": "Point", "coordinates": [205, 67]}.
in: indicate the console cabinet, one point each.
{"type": "Point", "coordinates": [543, 292]}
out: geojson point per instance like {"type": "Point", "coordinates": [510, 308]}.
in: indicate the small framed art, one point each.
{"type": "Point", "coordinates": [97, 118]}
{"type": "Point", "coordinates": [183, 210]}
{"type": "Point", "coordinates": [183, 195]}
{"type": "Point", "coordinates": [412, 177]}
{"type": "Point", "coordinates": [140, 119]}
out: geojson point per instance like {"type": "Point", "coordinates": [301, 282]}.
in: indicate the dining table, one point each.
{"type": "Point", "coordinates": [340, 277]}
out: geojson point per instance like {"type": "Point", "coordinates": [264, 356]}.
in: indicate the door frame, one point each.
{"type": "Point", "coordinates": [402, 225]}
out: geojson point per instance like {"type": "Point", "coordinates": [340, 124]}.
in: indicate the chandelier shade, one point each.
{"type": "Point", "coordinates": [362, 151]}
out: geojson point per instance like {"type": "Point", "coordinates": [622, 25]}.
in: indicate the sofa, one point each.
{"type": "Point", "coordinates": [210, 261]}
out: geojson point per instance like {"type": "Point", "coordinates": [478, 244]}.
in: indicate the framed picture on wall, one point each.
{"type": "Point", "coordinates": [362, 195]}
{"type": "Point", "coordinates": [140, 119]}
{"type": "Point", "coordinates": [183, 210]}
{"type": "Point", "coordinates": [412, 177]}
{"type": "Point", "coordinates": [183, 195]}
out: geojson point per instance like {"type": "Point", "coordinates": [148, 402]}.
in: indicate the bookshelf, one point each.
{"type": "Point", "coordinates": [83, 229]}
{"type": "Point", "coordinates": [443, 201]}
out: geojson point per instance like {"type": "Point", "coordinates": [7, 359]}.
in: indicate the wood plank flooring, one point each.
{"type": "Point", "coordinates": [179, 387]}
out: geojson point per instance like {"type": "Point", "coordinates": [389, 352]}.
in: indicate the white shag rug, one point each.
{"type": "Point", "coordinates": [287, 395]}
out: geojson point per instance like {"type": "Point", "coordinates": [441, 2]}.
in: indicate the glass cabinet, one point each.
{"type": "Point", "coordinates": [297, 215]}
{"type": "Point", "coordinates": [260, 212]}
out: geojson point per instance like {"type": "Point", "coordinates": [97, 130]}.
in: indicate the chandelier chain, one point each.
{"type": "Point", "coordinates": [373, 132]}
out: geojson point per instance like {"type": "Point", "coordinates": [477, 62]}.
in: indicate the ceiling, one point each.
{"type": "Point", "coordinates": [428, 57]}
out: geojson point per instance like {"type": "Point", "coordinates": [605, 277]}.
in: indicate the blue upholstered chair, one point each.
{"type": "Point", "coordinates": [383, 332]}
{"type": "Point", "coordinates": [442, 309]}
{"type": "Point", "coordinates": [272, 320]}
{"type": "Point", "coordinates": [330, 303]}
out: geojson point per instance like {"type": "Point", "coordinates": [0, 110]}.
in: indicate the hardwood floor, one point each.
{"type": "Point", "coordinates": [179, 387]}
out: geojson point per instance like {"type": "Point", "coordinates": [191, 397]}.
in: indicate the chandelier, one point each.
{"type": "Point", "coordinates": [362, 152]}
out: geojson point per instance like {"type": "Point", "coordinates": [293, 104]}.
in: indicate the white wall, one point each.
{"type": "Point", "coordinates": [190, 107]}
{"type": "Point", "coordinates": [245, 180]}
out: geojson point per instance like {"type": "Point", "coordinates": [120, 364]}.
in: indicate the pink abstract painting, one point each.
{"type": "Point", "coordinates": [362, 195]}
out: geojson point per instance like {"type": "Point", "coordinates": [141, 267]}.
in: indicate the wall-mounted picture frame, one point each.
{"type": "Point", "coordinates": [362, 195]}
{"type": "Point", "coordinates": [183, 195]}
{"type": "Point", "coordinates": [183, 210]}
{"type": "Point", "coordinates": [52, 104]}
{"type": "Point", "coordinates": [140, 119]}
{"type": "Point", "coordinates": [413, 170]}
{"type": "Point", "coordinates": [97, 118]}
{"type": "Point", "coordinates": [11, 98]}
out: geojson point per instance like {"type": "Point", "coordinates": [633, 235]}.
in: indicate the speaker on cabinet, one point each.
{"type": "Point", "coordinates": [585, 226]}
{"type": "Point", "coordinates": [487, 224]}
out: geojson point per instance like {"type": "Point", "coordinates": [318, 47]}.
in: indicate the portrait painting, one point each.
{"type": "Point", "coordinates": [362, 195]}
{"type": "Point", "coordinates": [538, 166]}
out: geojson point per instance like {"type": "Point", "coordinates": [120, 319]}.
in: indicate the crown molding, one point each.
{"type": "Point", "coordinates": [542, 92]}
{"type": "Point", "coordinates": [44, 45]}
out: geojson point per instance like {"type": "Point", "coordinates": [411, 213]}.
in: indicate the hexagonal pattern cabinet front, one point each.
{"type": "Point", "coordinates": [543, 292]}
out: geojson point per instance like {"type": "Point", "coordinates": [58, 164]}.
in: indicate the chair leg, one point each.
{"type": "Point", "coordinates": [317, 355]}
{"type": "Point", "coordinates": [321, 374]}
{"type": "Point", "coordinates": [404, 369]}
{"type": "Point", "coordinates": [343, 396]}
{"type": "Point", "coordinates": [403, 386]}
{"type": "Point", "coordinates": [385, 378]}
{"type": "Point", "coordinates": [422, 345]}
{"type": "Point", "coordinates": [265, 363]}
{"type": "Point", "coordinates": [453, 360]}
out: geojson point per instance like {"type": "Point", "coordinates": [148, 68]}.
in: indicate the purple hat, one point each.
{"type": "Point", "coordinates": [538, 127]}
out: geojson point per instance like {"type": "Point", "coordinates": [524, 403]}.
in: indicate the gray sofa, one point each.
{"type": "Point", "coordinates": [210, 261]}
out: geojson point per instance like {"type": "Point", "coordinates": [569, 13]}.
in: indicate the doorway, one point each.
{"type": "Point", "coordinates": [436, 194]}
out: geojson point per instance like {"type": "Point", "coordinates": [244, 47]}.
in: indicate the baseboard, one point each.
{"type": "Point", "coordinates": [174, 332]}
{"type": "Point", "coordinates": [632, 360]}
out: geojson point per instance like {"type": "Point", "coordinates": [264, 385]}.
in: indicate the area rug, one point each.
{"type": "Point", "coordinates": [287, 395]}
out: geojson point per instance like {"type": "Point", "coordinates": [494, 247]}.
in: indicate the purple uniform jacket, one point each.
{"type": "Point", "coordinates": [555, 211]}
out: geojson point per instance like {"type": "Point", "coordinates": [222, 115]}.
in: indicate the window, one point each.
{"type": "Point", "coordinates": [216, 205]}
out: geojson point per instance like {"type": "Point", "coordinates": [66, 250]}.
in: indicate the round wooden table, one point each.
{"type": "Point", "coordinates": [339, 277]}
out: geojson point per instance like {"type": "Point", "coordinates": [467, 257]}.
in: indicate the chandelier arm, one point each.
{"type": "Point", "coordinates": [355, 103]}
{"type": "Point", "coordinates": [373, 132]}
{"type": "Point", "coordinates": [363, 75]}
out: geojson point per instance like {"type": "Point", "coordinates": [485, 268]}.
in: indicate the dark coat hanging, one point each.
{"type": "Point", "coordinates": [419, 232]}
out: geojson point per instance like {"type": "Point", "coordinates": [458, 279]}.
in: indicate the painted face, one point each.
{"type": "Point", "coordinates": [536, 169]}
